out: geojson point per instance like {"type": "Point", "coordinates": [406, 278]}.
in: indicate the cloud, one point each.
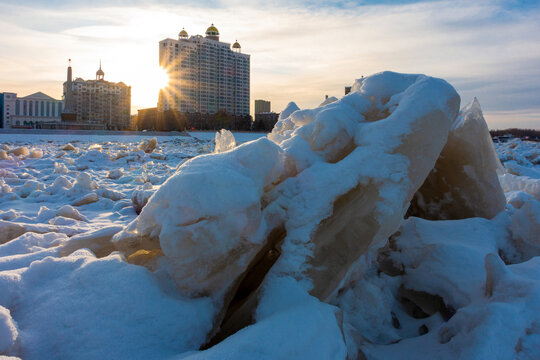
{"type": "Point", "coordinates": [488, 49]}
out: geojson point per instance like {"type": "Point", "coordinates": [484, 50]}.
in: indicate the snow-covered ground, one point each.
{"type": "Point", "coordinates": [78, 306]}
{"type": "Point", "coordinates": [62, 192]}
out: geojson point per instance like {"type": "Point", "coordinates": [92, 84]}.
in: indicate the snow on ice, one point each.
{"type": "Point", "coordinates": [382, 225]}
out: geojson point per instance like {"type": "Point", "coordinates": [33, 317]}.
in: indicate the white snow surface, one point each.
{"type": "Point", "coordinates": [78, 306]}
{"type": "Point", "coordinates": [74, 305]}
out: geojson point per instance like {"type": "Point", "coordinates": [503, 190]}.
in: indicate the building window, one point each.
{"type": "Point", "coordinates": [30, 108]}
{"type": "Point", "coordinates": [36, 108]}
{"type": "Point", "coordinates": [42, 109]}
{"type": "Point", "coordinates": [59, 109]}
{"type": "Point", "coordinates": [48, 108]}
{"type": "Point", "coordinates": [17, 106]}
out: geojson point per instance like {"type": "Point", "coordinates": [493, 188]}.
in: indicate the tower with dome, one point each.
{"type": "Point", "coordinates": [95, 104]}
{"type": "Point", "coordinates": [206, 75]}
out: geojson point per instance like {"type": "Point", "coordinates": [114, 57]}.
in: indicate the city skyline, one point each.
{"type": "Point", "coordinates": [489, 49]}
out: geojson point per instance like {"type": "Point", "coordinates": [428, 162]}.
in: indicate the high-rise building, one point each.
{"type": "Point", "coordinates": [262, 106]}
{"type": "Point", "coordinates": [206, 75]}
{"type": "Point", "coordinates": [32, 111]}
{"type": "Point", "coordinates": [97, 103]}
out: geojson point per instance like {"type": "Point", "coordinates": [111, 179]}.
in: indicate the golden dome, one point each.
{"type": "Point", "coordinates": [183, 33]}
{"type": "Point", "coordinates": [236, 45]}
{"type": "Point", "coordinates": [212, 30]}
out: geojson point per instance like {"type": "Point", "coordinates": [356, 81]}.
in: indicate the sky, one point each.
{"type": "Point", "coordinates": [300, 50]}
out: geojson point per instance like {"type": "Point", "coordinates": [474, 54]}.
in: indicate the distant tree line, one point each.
{"type": "Point", "coordinates": [520, 133]}
{"type": "Point", "coordinates": [171, 120]}
{"type": "Point", "coordinates": [265, 121]}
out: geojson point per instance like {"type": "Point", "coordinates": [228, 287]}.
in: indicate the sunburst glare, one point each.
{"type": "Point", "coordinates": [146, 86]}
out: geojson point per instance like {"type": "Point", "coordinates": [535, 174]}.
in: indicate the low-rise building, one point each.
{"type": "Point", "coordinates": [30, 112]}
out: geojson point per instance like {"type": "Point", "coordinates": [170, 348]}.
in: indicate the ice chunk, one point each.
{"type": "Point", "coordinates": [495, 271]}
{"type": "Point", "coordinates": [64, 221]}
{"type": "Point", "coordinates": [335, 183]}
{"type": "Point", "coordinates": [60, 168]}
{"type": "Point", "coordinates": [86, 199]}
{"type": "Point", "coordinates": [70, 212]}
{"type": "Point", "coordinates": [98, 241]}
{"type": "Point", "coordinates": [36, 154]}
{"type": "Point", "coordinates": [84, 183]}
{"type": "Point", "coordinates": [285, 124]}
{"type": "Point", "coordinates": [525, 228]}
{"type": "Point", "coordinates": [8, 333]}
{"type": "Point", "coordinates": [115, 174]}
{"type": "Point", "coordinates": [10, 230]}
{"type": "Point", "coordinates": [110, 194]}
{"type": "Point", "coordinates": [20, 151]}
{"type": "Point", "coordinates": [92, 156]}
{"type": "Point", "coordinates": [329, 100]}
{"type": "Point", "coordinates": [10, 214]}
{"type": "Point", "coordinates": [205, 218]}
{"type": "Point", "coordinates": [61, 183]}
{"type": "Point", "coordinates": [141, 195]}
{"type": "Point", "coordinates": [148, 145]}
{"type": "Point", "coordinates": [289, 109]}
{"type": "Point", "coordinates": [439, 257]}
{"type": "Point", "coordinates": [367, 306]}
{"type": "Point", "coordinates": [45, 213]}
{"type": "Point", "coordinates": [69, 147]}
{"type": "Point", "coordinates": [158, 156]}
{"type": "Point", "coordinates": [4, 188]}
{"type": "Point", "coordinates": [28, 187]}
{"type": "Point", "coordinates": [511, 182]}
{"type": "Point", "coordinates": [30, 242]}
{"type": "Point", "coordinates": [519, 170]}
{"type": "Point", "coordinates": [464, 182]}
{"type": "Point", "coordinates": [4, 155]}
{"type": "Point", "coordinates": [474, 331]}
{"type": "Point", "coordinates": [517, 198]}
{"type": "Point", "coordinates": [224, 141]}
{"type": "Point", "coordinates": [367, 206]}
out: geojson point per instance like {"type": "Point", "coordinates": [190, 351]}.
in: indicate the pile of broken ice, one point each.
{"type": "Point", "coordinates": [373, 226]}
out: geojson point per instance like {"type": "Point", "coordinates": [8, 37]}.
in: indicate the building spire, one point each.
{"type": "Point", "coordinates": [68, 94]}
{"type": "Point", "coordinates": [100, 75]}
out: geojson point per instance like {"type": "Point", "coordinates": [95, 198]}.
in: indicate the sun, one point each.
{"type": "Point", "coordinates": [155, 79]}
{"type": "Point", "coordinates": [161, 78]}
{"type": "Point", "coordinates": [146, 86]}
